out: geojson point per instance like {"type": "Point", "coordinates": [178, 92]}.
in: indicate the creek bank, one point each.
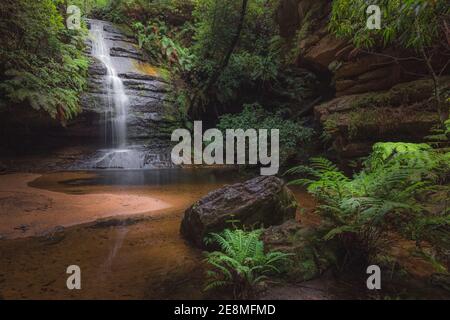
{"type": "Point", "coordinates": [315, 261]}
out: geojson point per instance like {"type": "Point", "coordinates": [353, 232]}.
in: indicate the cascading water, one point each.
{"type": "Point", "coordinates": [116, 108]}
{"type": "Point", "coordinates": [127, 103]}
{"type": "Point", "coordinates": [117, 100]}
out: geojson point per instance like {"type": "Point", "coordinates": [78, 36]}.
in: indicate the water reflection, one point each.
{"type": "Point", "coordinates": [159, 177]}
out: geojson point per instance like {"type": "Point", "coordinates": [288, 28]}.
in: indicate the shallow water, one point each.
{"type": "Point", "coordinates": [141, 257]}
{"type": "Point", "coordinates": [136, 256]}
{"type": "Point", "coordinates": [64, 181]}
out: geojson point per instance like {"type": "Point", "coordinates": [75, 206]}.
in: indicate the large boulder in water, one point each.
{"type": "Point", "coordinates": [261, 201]}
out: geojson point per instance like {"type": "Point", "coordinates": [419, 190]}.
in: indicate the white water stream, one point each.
{"type": "Point", "coordinates": [117, 100]}
{"type": "Point", "coordinates": [119, 152]}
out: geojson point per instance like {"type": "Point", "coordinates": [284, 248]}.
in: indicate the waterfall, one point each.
{"type": "Point", "coordinates": [117, 100]}
{"type": "Point", "coordinates": [129, 103]}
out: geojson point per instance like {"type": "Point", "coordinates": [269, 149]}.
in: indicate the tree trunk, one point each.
{"type": "Point", "coordinates": [217, 73]}
{"type": "Point", "coordinates": [443, 114]}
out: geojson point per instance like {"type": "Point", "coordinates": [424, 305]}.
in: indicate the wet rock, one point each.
{"type": "Point", "coordinates": [120, 37]}
{"type": "Point", "coordinates": [96, 68]}
{"type": "Point", "coordinates": [146, 92]}
{"type": "Point", "coordinates": [128, 52]}
{"type": "Point", "coordinates": [88, 47]}
{"type": "Point", "coordinates": [261, 201]}
{"type": "Point", "coordinates": [141, 76]}
{"type": "Point", "coordinates": [146, 85]}
{"type": "Point", "coordinates": [110, 28]}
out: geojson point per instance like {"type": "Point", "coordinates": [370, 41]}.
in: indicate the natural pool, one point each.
{"type": "Point", "coordinates": [125, 255]}
{"type": "Point", "coordinates": [121, 227]}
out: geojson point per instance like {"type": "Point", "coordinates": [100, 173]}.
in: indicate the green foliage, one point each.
{"type": "Point", "coordinates": [388, 195]}
{"type": "Point", "coordinates": [251, 64]}
{"type": "Point", "coordinates": [440, 135]}
{"type": "Point", "coordinates": [88, 7]}
{"type": "Point", "coordinates": [192, 40]}
{"type": "Point", "coordinates": [417, 24]}
{"type": "Point", "coordinates": [409, 23]}
{"type": "Point", "coordinates": [292, 134]}
{"type": "Point", "coordinates": [246, 69]}
{"type": "Point", "coordinates": [42, 64]}
{"type": "Point", "coordinates": [212, 37]}
{"type": "Point", "coordinates": [162, 46]}
{"type": "Point", "coordinates": [163, 29]}
{"type": "Point", "coordinates": [122, 11]}
{"type": "Point", "coordinates": [241, 264]}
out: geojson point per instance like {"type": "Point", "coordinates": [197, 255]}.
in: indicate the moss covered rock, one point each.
{"type": "Point", "coordinates": [354, 123]}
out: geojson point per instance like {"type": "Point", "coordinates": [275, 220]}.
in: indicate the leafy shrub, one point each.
{"type": "Point", "coordinates": [89, 7]}
{"type": "Point", "coordinates": [223, 67]}
{"type": "Point", "coordinates": [389, 195]}
{"type": "Point", "coordinates": [42, 64]}
{"type": "Point", "coordinates": [123, 11]}
{"type": "Point", "coordinates": [241, 264]}
{"type": "Point", "coordinates": [162, 47]}
{"type": "Point", "coordinates": [412, 23]}
{"type": "Point", "coordinates": [255, 117]}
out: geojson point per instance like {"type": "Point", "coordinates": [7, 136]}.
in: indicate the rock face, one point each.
{"type": "Point", "coordinates": [263, 200]}
{"type": "Point", "coordinates": [377, 96]}
{"type": "Point", "coordinates": [353, 70]}
{"type": "Point", "coordinates": [403, 113]}
{"type": "Point", "coordinates": [145, 88]}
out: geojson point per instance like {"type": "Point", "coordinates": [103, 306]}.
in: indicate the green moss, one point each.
{"type": "Point", "coordinates": [404, 93]}
{"type": "Point", "coordinates": [377, 109]}
{"type": "Point", "coordinates": [330, 128]}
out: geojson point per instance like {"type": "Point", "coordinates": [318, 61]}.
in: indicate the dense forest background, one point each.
{"type": "Point", "coordinates": [374, 101]}
{"type": "Point", "coordinates": [274, 63]}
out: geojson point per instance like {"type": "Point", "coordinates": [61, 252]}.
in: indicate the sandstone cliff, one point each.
{"type": "Point", "coordinates": [378, 96]}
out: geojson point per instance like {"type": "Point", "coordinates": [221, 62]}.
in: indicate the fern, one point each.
{"type": "Point", "coordinates": [42, 62]}
{"type": "Point", "coordinates": [241, 264]}
{"type": "Point", "coordinates": [384, 196]}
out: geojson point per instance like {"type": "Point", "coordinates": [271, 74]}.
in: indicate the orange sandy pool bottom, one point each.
{"type": "Point", "coordinates": [50, 225]}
